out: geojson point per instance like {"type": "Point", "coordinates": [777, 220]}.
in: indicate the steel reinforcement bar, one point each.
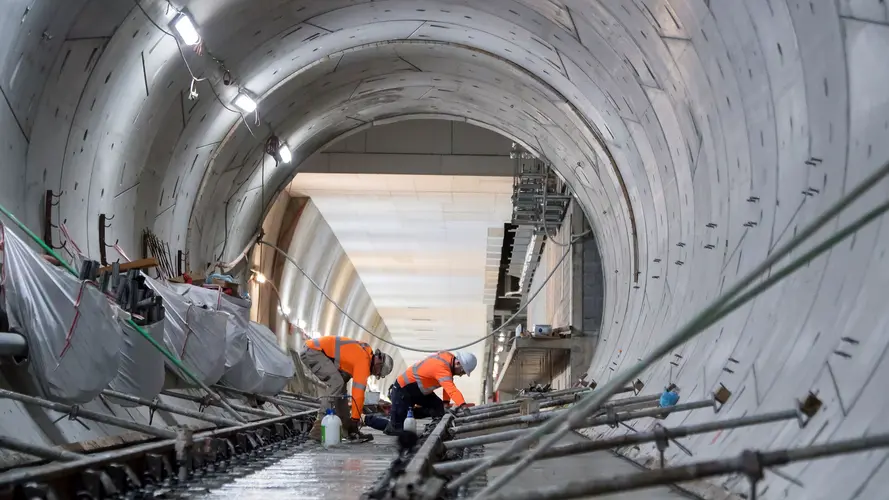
{"type": "Point", "coordinates": [750, 463]}
{"type": "Point", "coordinates": [614, 419]}
{"type": "Point", "coordinates": [143, 468]}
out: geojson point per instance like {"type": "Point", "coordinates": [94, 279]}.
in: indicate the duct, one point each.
{"type": "Point", "coordinates": [237, 325]}
{"type": "Point", "coordinates": [265, 369]}
{"type": "Point", "coordinates": [193, 334]}
{"type": "Point", "coordinates": [13, 344]}
{"type": "Point", "coordinates": [70, 327]}
{"type": "Point", "coordinates": [141, 371]}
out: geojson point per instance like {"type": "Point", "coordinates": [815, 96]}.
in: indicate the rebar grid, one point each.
{"type": "Point", "coordinates": [734, 298]}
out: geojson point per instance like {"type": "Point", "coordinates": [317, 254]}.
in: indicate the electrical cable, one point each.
{"type": "Point", "coordinates": [720, 307]}
{"type": "Point", "coordinates": [414, 349]}
{"type": "Point", "coordinates": [188, 67]}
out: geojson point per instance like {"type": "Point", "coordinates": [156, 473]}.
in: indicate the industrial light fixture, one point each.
{"type": "Point", "coordinates": [284, 310]}
{"type": "Point", "coordinates": [529, 254]}
{"type": "Point", "coordinates": [184, 26]}
{"type": "Point", "coordinates": [284, 153]}
{"type": "Point", "coordinates": [244, 102]}
{"type": "Point", "coordinates": [260, 278]}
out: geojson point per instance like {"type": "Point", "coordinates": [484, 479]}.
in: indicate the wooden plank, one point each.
{"type": "Point", "coordinates": [136, 264]}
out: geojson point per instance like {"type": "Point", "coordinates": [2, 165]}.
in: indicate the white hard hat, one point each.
{"type": "Point", "coordinates": [467, 361]}
{"type": "Point", "coordinates": [387, 365]}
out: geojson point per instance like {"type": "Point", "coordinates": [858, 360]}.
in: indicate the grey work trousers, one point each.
{"type": "Point", "coordinates": [327, 372]}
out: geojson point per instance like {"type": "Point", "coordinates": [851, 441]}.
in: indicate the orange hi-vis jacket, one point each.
{"type": "Point", "coordinates": [432, 373]}
{"type": "Point", "coordinates": [352, 357]}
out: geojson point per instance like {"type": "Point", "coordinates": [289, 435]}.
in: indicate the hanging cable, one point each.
{"type": "Point", "coordinates": [415, 349]}
{"type": "Point", "coordinates": [719, 308]}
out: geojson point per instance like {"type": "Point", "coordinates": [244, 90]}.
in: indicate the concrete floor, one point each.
{"type": "Point", "coordinates": [344, 473]}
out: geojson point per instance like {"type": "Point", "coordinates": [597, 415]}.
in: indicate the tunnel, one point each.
{"type": "Point", "coordinates": [695, 138]}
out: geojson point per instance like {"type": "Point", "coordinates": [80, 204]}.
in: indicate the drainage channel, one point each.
{"type": "Point", "coordinates": [306, 471]}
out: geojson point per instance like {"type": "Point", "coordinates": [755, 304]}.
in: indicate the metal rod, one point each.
{"type": "Point", "coordinates": [98, 459]}
{"type": "Point", "coordinates": [296, 405]}
{"type": "Point", "coordinates": [535, 395]}
{"type": "Point", "coordinates": [87, 414]}
{"type": "Point", "coordinates": [540, 417]}
{"type": "Point", "coordinates": [458, 466]}
{"type": "Point", "coordinates": [244, 409]}
{"type": "Point", "coordinates": [512, 409]}
{"type": "Point", "coordinates": [310, 399]}
{"type": "Point", "coordinates": [499, 437]}
{"type": "Point", "coordinates": [746, 462]}
{"type": "Point", "coordinates": [160, 405]}
{"type": "Point", "coordinates": [45, 452]}
{"type": "Point", "coordinates": [13, 344]}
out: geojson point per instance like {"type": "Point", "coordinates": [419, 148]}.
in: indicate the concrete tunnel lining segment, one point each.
{"type": "Point", "coordinates": [710, 110]}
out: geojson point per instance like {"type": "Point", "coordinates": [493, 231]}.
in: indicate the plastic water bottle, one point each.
{"type": "Point", "coordinates": [331, 427]}
{"type": "Point", "coordinates": [410, 424]}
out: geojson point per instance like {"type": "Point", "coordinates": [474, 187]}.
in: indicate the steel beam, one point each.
{"type": "Point", "coordinates": [87, 414]}
{"type": "Point", "coordinates": [750, 463]}
{"type": "Point", "coordinates": [500, 437]}
{"type": "Point", "coordinates": [485, 424]}
{"type": "Point", "coordinates": [45, 452]}
{"type": "Point", "coordinates": [240, 408]}
{"type": "Point", "coordinates": [159, 405]}
{"type": "Point", "coordinates": [418, 470]}
{"type": "Point", "coordinates": [459, 466]}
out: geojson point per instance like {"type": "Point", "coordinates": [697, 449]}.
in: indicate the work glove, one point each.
{"type": "Point", "coordinates": [457, 411]}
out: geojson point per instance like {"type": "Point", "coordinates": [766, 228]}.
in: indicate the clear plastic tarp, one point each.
{"type": "Point", "coordinates": [141, 371]}
{"type": "Point", "coordinates": [266, 369]}
{"type": "Point", "coordinates": [238, 321]}
{"type": "Point", "coordinates": [196, 335]}
{"type": "Point", "coordinates": [74, 338]}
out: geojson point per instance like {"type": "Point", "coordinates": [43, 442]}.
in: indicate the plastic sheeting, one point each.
{"type": "Point", "coordinates": [141, 371]}
{"type": "Point", "coordinates": [194, 334]}
{"type": "Point", "coordinates": [266, 369]}
{"type": "Point", "coordinates": [74, 338]}
{"type": "Point", "coordinates": [238, 321]}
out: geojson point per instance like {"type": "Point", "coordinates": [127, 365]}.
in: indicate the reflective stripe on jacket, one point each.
{"type": "Point", "coordinates": [352, 357]}
{"type": "Point", "coordinates": [432, 373]}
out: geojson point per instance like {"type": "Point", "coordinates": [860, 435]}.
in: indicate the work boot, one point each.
{"type": "Point", "coordinates": [315, 432]}
{"type": "Point", "coordinates": [353, 434]}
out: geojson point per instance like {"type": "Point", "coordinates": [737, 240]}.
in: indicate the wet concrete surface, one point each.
{"type": "Point", "coordinates": [308, 472]}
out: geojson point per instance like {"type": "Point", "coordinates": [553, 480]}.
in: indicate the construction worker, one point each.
{"type": "Point", "coordinates": [336, 360]}
{"type": "Point", "coordinates": [415, 387]}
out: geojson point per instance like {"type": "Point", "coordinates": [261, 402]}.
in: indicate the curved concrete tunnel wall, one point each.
{"type": "Point", "coordinates": [683, 126]}
{"type": "Point", "coordinates": [316, 249]}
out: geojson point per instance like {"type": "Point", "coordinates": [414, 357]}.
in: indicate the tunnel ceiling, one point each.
{"type": "Point", "coordinates": [696, 135]}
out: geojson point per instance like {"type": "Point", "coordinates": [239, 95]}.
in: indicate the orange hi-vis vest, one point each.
{"type": "Point", "coordinates": [352, 357]}
{"type": "Point", "coordinates": [432, 373]}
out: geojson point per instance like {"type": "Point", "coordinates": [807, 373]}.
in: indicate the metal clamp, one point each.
{"type": "Point", "coordinates": [661, 440]}
{"type": "Point", "coordinates": [751, 466]}
{"type": "Point", "coordinates": [73, 415]}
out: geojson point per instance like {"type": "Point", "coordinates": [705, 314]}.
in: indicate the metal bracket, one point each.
{"type": "Point", "coordinates": [751, 466]}
{"type": "Point", "coordinates": [103, 225]}
{"type": "Point", "coordinates": [721, 397]}
{"type": "Point", "coordinates": [638, 385]}
{"type": "Point", "coordinates": [662, 441]}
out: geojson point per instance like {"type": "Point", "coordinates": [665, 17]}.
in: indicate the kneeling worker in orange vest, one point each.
{"type": "Point", "coordinates": [336, 360]}
{"type": "Point", "coordinates": [415, 387]}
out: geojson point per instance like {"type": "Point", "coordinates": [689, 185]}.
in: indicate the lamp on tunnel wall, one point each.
{"type": "Point", "coordinates": [183, 25]}
{"type": "Point", "coordinates": [245, 102]}
{"type": "Point", "coordinates": [278, 149]}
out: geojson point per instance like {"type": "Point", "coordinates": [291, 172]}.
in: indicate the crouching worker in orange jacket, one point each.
{"type": "Point", "coordinates": [415, 387]}
{"type": "Point", "coordinates": [336, 360]}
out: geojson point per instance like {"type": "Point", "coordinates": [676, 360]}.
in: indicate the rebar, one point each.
{"type": "Point", "coordinates": [205, 401]}
{"type": "Point", "coordinates": [719, 308]}
{"type": "Point", "coordinates": [473, 410]}
{"type": "Point", "coordinates": [746, 463]}
{"type": "Point", "coordinates": [481, 424]}
{"type": "Point", "coordinates": [499, 437]}
{"type": "Point", "coordinates": [160, 405]}
{"type": "Point", "coordinates": [304, 397]}
{"type": "Point", "coordinates": [45, 452]}
{"type": "Point", "coordinates": [77, 412]}
{"type": "Point", "coordinates": [458, 466]}
{"type": "Point", "coordinates": [295, 405]}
